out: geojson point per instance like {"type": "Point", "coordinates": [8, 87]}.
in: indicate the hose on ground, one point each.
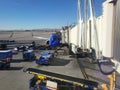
{"type": "Point", "coordinates": [102, 71]}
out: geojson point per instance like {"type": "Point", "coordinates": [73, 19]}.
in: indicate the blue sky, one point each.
{"type": "Point", "coordinates": [35, 14]}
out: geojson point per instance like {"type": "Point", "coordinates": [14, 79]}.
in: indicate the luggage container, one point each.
{"type": "Point", "coordinates": [28, 55]}
{"type": "Point", "coordinates": [5, 58]}
{"type": "Point", "coordinates": [45, 58]}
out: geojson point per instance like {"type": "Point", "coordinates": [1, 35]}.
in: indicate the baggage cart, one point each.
{"type": "Point", "coordinates": [28, 55]}
{"type": "Point", "coordinates": [5, 58]}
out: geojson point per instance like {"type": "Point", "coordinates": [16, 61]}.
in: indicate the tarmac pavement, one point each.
{"type": "Point", "coordinates": [15, 79]}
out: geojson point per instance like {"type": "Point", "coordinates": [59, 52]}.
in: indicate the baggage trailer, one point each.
{"type": "Point", "coordinates": [5, 58]}
{"type": "Point", "coordinates": [45, 58]}
{"type": "Point", "coordinates": [28, 55]}
{"type": "Point", "coordinates": [45, 80]}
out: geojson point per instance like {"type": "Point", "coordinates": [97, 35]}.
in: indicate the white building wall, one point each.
{"type": "Point", "coordinates": [99, 25]}
{"type": "Point", "coordinates": [63, 36]}
{"type": "Point", "coordinates": [73, 35]}
{"type": "Point", "coordinates": [107, 29]}
{"type": "Point", "coordinates": [67, 36]}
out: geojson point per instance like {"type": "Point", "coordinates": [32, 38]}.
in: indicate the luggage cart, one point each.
{"type": "Point", "coordinates": [28, 55]}
{"type": "Point", "coordinates": [5, 58]}
{"type": "Point", "coordinates": [54, 81]}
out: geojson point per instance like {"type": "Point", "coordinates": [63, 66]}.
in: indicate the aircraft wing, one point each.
{"type": "Point", "coordinates": [38, 37]}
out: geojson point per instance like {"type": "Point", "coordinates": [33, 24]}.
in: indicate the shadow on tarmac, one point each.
{"type": "Point", "coordinates": [12, 68]}
{"type": "Point", "coordinates": [21, 60]}
{"type": "Point", "coordinates": [59, 62]}
{"type": "Point", "coordinates": [86, 64]}
{"type": "Point", "coordinates": [56, 62]}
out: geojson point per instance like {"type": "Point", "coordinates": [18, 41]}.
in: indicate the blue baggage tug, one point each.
{"type": "Point", "coordinates": [45, 58]}
{"type": "Point", "coordinates": [5, 58]}
{"type": "Point", "coordinates": [28, 55]}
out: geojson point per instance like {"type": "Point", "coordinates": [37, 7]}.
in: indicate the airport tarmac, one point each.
{"type": "Point", "coordinates": [15, 79]}
{"type": "Point", "coordinates": [24, 35]}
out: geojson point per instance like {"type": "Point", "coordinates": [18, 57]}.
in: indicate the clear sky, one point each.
{"type": "Point", "coordinates": [35, 14]}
